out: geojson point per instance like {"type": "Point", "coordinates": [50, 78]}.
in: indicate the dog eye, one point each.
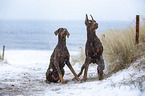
{"type": "Point", "coordinates": [89, 22]}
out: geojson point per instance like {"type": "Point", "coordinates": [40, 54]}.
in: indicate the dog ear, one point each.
{"type": "Point", "coordinates": [92, 18]}
{"type": "Point", "coordinates": [86, 20]}
{"type": "Point", "coordinates": [68, 34]}
{"type": "Point", "coordinates": [57, 31]}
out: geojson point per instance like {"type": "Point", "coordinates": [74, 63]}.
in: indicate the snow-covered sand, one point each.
{"type": "Point", "coordinates": [24, 74]}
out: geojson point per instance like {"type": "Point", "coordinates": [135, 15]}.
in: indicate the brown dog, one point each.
{"type": "Point", "coordinates": [59, 58]}
{"type": "Point", "coordinates": [93, 49]}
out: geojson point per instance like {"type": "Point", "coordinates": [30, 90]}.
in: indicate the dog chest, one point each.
{"type": "Point", "coordinates": [94, 49]}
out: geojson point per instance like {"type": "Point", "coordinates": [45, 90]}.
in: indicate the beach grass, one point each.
{"type": "Point", "coordinates": [120, 49]}
{"type": "Point", "coordinates": [80, 58]}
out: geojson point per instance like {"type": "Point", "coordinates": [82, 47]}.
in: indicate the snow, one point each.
{"type": "Point", "coordinates": [24, 74]}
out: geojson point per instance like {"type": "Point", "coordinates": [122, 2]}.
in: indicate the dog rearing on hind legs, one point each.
{"type": "Point", "coordinates": [59, 58]}
{"type": "Point", "coordinates": [93, 49]}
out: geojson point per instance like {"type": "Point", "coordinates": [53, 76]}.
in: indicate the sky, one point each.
{"type": "Point", "coordinates": [71, 9]}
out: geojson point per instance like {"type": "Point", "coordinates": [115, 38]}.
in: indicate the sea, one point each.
{"type": "Point", "coordinates": [39, 34]}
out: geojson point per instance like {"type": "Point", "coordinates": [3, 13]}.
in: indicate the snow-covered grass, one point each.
{"type": "Point", "coordinates": [24, 74]}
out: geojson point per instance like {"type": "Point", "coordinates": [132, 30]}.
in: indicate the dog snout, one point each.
{"type": "Point", "coordinates": [96, 25]}
{"type": "Point", "coordinates": [63, 34]}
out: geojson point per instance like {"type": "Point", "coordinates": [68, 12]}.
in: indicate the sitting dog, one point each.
{"type": "Point", "coordinates": [59, 58]}
{"type": "Point", "coordinates": [93, 49]}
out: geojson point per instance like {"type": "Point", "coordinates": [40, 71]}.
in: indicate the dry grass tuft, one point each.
{"type": "Point", "coordinates": [120, 49]}
{"type": "Point", "coordinates": [0, 57]}
{"type": "Point", "coordinates": [80, 58]}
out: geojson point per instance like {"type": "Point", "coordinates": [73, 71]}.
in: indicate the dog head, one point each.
{"type": "Point", "coordinates": [62, 33]}
{"type": "Point", "coordinates": [52, 75]}
{"type": "Point", "coordinates": [91, 24]}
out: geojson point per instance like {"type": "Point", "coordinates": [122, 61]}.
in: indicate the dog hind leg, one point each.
{"type": "Point", "coordinates": [59, 72]}
{"type": "Point", "coordinates": [100, 67]}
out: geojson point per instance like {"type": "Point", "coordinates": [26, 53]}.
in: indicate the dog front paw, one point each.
{"type": "Point", "coordinates": [63, 82]}
{"type": "Point", "coordinates": [84, 79]}
{"type": "Point", "coordinates": [77, 78]}
{"type": "Point", "coordinates": [47, 81]}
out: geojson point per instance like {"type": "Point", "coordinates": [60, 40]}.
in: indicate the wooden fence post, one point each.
{"type": "Point", "coordinates": [3, 53]}
{"type": "Point", "coordinates": [137, 29]}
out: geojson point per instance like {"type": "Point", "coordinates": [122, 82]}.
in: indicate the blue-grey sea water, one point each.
{"type": "Point", "coordinates": [39, 35]}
